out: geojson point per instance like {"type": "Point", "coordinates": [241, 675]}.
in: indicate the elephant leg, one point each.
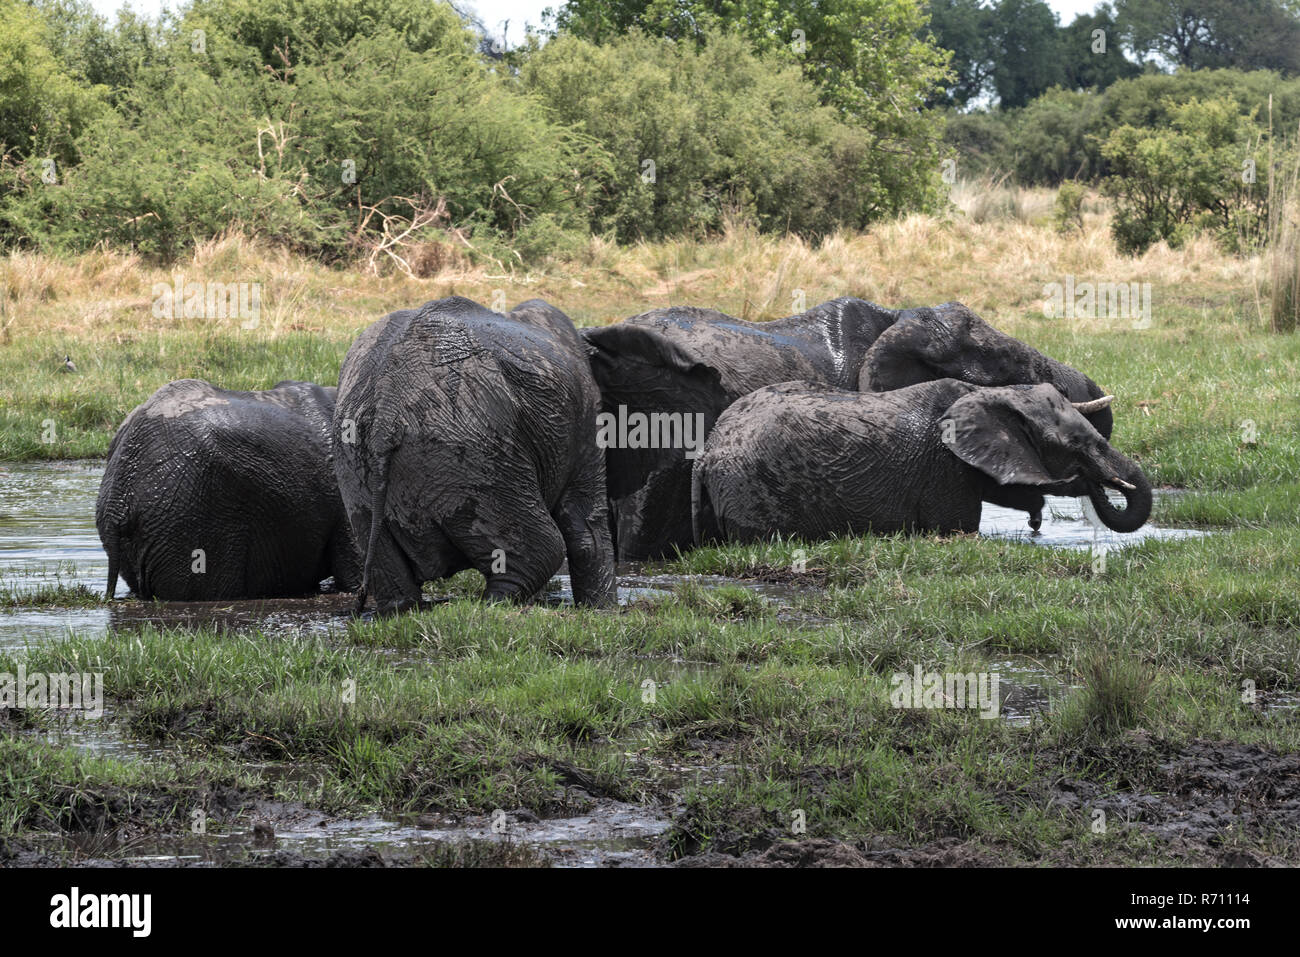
{"type": "Point", "coordinates": [511, 538]}
{"type": "Point", "coordinates": [584, 525]}
{"type": "Point", "coordinates": [655, 520]}
{"type": "Point", "coordinates": [519, 573]}
{"type": "Point", "coordinates": [394, 581]}
{"type": "Point", "coordinates": [343, 558]}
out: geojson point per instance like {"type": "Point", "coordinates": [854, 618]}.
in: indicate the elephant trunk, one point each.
{"type": "Point", "coordinates": [1128, 478]}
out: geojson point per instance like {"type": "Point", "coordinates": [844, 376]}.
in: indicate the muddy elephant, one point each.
{"type": "Point", "coordinates": [694, 363]}
{"type": "Point", "coordinates": [797, 459]}
{"type": "Point", "coordinates": [210, 494]}
{"type": "Point", "coordinates": [466, 439]}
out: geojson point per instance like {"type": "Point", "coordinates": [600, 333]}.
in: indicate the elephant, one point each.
{"type": "Point", "coordinates": [697, 362]}
{"type": "Point", "coordinates": [210, 494]}
{"type": "Point", "coordinates": [798, 459]}
{"type": "Point", "coordinates": [465, 438]}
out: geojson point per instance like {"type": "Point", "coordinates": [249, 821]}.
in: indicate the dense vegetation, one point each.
{"type": "Point", "coordinates": [339, 127]}
{"type": "Point", "coordinates": [330, 126]}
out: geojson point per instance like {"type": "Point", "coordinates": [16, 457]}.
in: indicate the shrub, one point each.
{"type": "Point", "coordinates": [695, 134]}
{"type": "Point", "coordinates": [43, 109]}
{"type": "Point", "coordinates": [1170, 182]}
{"type": "Point", "coordinates": [1068, 212]}
{"type": "Point", "coordinates": [207, 141]}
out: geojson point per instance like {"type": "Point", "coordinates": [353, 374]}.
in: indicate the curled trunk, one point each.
{"type": "Point", "coordinates": [1137, 500]}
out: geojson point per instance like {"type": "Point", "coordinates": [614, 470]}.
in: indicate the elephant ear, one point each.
{"type": "Point", "coordinates": [921, 346]}
{"type": "Point", "coordinates": [642, 370]}
{"type": "Point", "coordinates": [993, 430]}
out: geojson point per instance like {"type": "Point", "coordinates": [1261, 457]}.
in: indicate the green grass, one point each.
{"type": "Point", "coordinates": [761, 707]}
{"type": "Point", "coordinates": [756, 711]}
{"type": "Point", "coordinates": [48, 414]}
{"type": "Point", "coordinates": [1235, 596]}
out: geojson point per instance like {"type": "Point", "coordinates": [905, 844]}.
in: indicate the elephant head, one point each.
{"type": "Point", "coordinates": [1033, 438]}
{"type": "Point", "coordinates": [950, 341]}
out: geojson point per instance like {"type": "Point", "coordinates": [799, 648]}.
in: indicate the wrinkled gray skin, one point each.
{"type": "Point", "coordinates": [799, 460]}
{"type": "Point", "coordinates": [474, 448]}
{"type": "Point", "coordinates": [244, 476]}
{"type": "Point", "coordinates": [691, 360]}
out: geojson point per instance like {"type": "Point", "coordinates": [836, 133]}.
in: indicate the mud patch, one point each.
{"type": "Point", "coordinates": [1198, 797]}
{"type": "Point", "coordinates": [875, 852]}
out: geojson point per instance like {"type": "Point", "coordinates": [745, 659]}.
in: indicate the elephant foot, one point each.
{"type": "Point", "coordinates": [388, 609]}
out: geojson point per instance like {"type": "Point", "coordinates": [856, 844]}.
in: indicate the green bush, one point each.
{"type": "Point", "coordinates": [1060, 134]}
{"type": "Point", "coordinates": [697, 134]}
{"type": "Point", "coordinates": [1068, 212]}
{"type": "Point", "coordinates": [43, 109]}
{"type": "Point", "coordinates": [981, 142]}
{"type": "Point", "coordinates": [1055, 138]}
{"type": "Point", "coordinates": [213, 139]}
{"type": "Point", "coordinates": [1168, 183]}
{"type": "Point", "coordinates": [320, 123]}
{"type": "Point", "coordinates": [315, 28]}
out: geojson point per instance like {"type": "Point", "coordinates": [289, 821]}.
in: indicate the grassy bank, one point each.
{"type": "Point", "coordinates": [763, 708]}
{"type": "Point", "coordinates": [758, 710]}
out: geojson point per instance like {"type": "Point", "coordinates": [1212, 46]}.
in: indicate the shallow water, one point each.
{"type": "Point", "coordinates": [48, 537]}
{"type": "Point", "coordinates": [47, 525]}
{"type": "Point", "coordinates": [1066, 526]}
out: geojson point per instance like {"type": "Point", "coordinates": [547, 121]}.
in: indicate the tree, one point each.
{"type": "Point", "coordinates": [1246, 34]}
{"type": "Point", "coordinates": [1027, 58]}
{"type": "Point", "coordinates": [1092, 52]}
{"type": "Point", "coordinates": [964, 27]}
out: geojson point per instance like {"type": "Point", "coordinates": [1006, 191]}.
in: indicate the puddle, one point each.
{"type": "Point", "coordinates": [102, 737]}
{"type": "Point", "coordinates": [1066, 526]}
{"type": "Point", "coordinates": [634, 584]}
{"type": "Point", "coordinates": [1028, 687]}
{"type": "Point", "coordinates": [34, 626]}
{"type": "Point", "coordinates": [612, 834]}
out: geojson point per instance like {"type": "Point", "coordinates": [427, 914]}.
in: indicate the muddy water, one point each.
{"type": "Point", "coordinates": [48, 537]}
{"type": "Point", "coordinates": [611, 834]}
{"type": "Point", "coordinates": [1066, 526]}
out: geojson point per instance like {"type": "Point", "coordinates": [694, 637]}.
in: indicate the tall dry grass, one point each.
{"type": "Point", "coordinates": [1284, 243]}
{"type": "Point", "coordinates": [996, 264]}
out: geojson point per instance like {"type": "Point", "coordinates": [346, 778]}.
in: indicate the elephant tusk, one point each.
{"type": "Point", "coordinates": [1120, 483]}
{"type": "Point", "coordinates": [1094, 405]}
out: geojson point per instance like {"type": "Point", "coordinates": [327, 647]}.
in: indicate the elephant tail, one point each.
{"type": "Point", "coordinates": [704, 523]}
{"type": "Point", "coordinates": [108, 522]}
{"type": "Point", "coordinates": [110, 591]}
{"type": "Point", "coordinates": [378, 505]}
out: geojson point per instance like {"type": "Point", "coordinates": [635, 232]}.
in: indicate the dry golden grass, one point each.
{"type": "Point", "coordinates": [998, 267]}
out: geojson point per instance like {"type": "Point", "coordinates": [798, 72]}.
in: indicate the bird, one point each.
{"type": "Point", "coordinates": [68, 364]}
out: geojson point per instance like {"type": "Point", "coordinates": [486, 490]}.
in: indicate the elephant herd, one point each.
{"type": "Point", "coordinates": [459, 437]}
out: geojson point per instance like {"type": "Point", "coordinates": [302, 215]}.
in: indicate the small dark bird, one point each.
{"type": "Point", "coordinates": [68, 364]}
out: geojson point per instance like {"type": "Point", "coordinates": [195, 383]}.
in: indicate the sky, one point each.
{"type": "Point", "coordinates": [494, 13]}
